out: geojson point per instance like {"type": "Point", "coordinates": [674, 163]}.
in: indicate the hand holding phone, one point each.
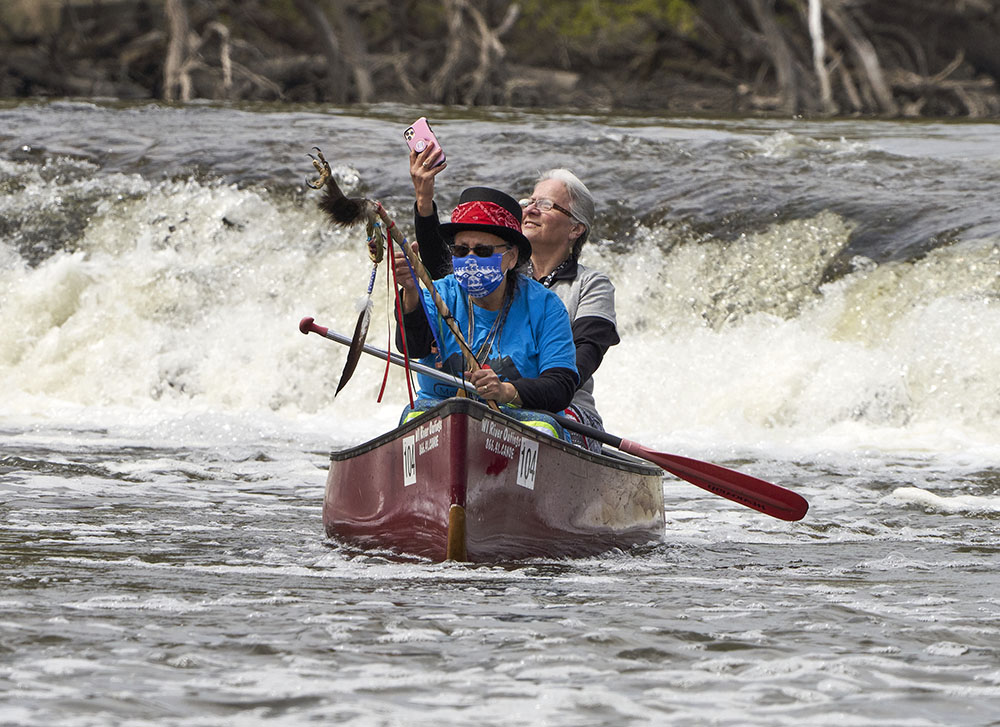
{"type": "Point", "coordinates": [419, 137]}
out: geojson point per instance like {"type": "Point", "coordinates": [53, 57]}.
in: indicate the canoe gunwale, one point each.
{"type": "Point", "coordinates": [479, 411]}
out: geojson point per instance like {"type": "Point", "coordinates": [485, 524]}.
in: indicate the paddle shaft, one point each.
{"type": "Point", "coordinates": [307, 325]}
{"type": "Point", "coordinates": [743, 489]}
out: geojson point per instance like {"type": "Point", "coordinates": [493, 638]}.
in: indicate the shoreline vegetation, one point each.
{"type": "Point", "coordinates": [814, 58]}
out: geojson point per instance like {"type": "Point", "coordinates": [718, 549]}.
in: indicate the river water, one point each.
{"type": "Point", "coordinates": [814, 303]}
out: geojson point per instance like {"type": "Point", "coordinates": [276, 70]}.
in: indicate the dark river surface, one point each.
{"type": "Point", "coordinates": [813, 303]}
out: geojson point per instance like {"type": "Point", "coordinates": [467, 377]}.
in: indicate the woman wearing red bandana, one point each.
{"type": "Point", "coordinates": [557, 219]}
{"type": "Point", "coordinates": [514, 325]}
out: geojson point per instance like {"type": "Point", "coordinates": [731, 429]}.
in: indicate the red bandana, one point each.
{"type": "Point", "coordinates": [484, 213]}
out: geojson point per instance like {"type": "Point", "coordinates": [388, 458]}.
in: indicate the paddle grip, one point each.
{"type": "Point", "coordinates": [307, 325]}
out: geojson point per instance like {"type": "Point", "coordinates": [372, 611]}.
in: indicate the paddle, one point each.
{"type": "Point", "coordinates": [743, 489]}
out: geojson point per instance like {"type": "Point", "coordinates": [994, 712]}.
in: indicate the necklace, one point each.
{"type": "Point", "coordinates": [493, 333]}
{"type": "Point", "coordinates": [550, 278]}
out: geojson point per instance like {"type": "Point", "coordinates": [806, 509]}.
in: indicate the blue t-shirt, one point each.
{"type": "Point", "coordinates": [536, 335]}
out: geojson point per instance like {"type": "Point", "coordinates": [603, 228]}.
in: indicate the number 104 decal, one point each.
{"type": "Point", "coordinates": [409, 460]}
{"type": "Point", "coordinates": [527, 463]}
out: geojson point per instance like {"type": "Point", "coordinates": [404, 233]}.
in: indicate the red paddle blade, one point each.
{"type": "Point", "coordinates": [754, 493]}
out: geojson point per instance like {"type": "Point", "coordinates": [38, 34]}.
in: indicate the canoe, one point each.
{"type": "Point", "coordinates": [463, 482]}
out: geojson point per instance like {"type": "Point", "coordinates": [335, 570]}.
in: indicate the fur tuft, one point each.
{"type": "Point", "coordinates": [340, 209]}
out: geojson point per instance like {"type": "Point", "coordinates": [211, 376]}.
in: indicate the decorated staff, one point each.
{"type": "Point", "coordinates": [347, 211]}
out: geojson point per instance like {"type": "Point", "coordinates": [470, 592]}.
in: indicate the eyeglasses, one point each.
{"type": "Point", "coordinates": [544, 204]}
{"type": "Point", "coordinates": [477, 250]}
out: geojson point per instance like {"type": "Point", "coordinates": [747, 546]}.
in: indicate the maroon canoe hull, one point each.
{"type": "Point", "coordinates": [466, 483]}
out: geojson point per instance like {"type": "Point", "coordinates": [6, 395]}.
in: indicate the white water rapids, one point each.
{"type": "Point", "coordinates": [817, 304]}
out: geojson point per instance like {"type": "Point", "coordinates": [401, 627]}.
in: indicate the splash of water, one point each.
{"type": "Point", "coordinates": [183, 295]}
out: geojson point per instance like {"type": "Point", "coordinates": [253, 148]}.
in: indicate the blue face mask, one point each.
{"type": "Point", "coordinates": [479, 276]}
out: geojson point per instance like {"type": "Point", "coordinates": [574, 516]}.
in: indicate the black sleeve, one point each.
{"type": "Point", "coordinates": [552, 390]}
{"type": "Point", "coordinates": [419, 337]}
{"type": "Point", "coordinates": [593, 336]}
{"type": "Point", "coordinates": [433, 250]}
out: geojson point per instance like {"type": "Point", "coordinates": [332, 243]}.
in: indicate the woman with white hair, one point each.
{"type": "Point", "coordinates": [557, 219]}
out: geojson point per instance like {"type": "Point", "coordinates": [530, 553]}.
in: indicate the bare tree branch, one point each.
{"type": "Point", "coordinates": [176, 82]}
{"type": "Point", "coordinates": [442, 83]}
{"type": "Point", "coordinates": [331, 48]}
{"type": "Point", "coordinates": [491, 52]}
{"type": "Point", "coordinates": [355, 54]}
{"type": "Point", "coordinates": [865, 52]}
{"type": "Point", "coordinates": [819, 56]}
{"type": "Point", "coordinates": [781, 56]}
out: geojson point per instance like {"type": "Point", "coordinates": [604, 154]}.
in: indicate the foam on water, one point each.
{"type": "Point", "coordinates": [178, 307]}
{"type": "Point", "coordinates": [756, 347]}
{"type": "Point", "coordinates": [965, 504]}
{"type": "Point", "coordinates": [166, 432]}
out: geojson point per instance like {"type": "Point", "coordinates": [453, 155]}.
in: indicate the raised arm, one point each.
{"type": "Point", "coordinates": [433, 250]}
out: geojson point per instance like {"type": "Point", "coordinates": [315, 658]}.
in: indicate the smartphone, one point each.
{"type": "Point", "coordinates": [419, 137]}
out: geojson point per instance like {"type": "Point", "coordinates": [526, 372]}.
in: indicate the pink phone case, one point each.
{"type": "Point", "coordinates": [420, 135]}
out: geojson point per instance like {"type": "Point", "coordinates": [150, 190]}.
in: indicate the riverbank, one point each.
{"type": "Point", "coordinates": [747, 57]}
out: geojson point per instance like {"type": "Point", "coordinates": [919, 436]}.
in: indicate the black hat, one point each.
{"type": "Point", "coordinates": [489, 210]}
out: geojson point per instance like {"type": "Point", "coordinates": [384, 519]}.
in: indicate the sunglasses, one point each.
{"type": "Point", "coordinates": [477, 250]}
{"type": "Point", "coordinates": [544, 204]}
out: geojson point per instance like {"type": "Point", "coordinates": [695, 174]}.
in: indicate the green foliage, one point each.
{"type": "Point", "coordinates": [283, 10]}
{"type": "Point", "coordinates": [626, 21]}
